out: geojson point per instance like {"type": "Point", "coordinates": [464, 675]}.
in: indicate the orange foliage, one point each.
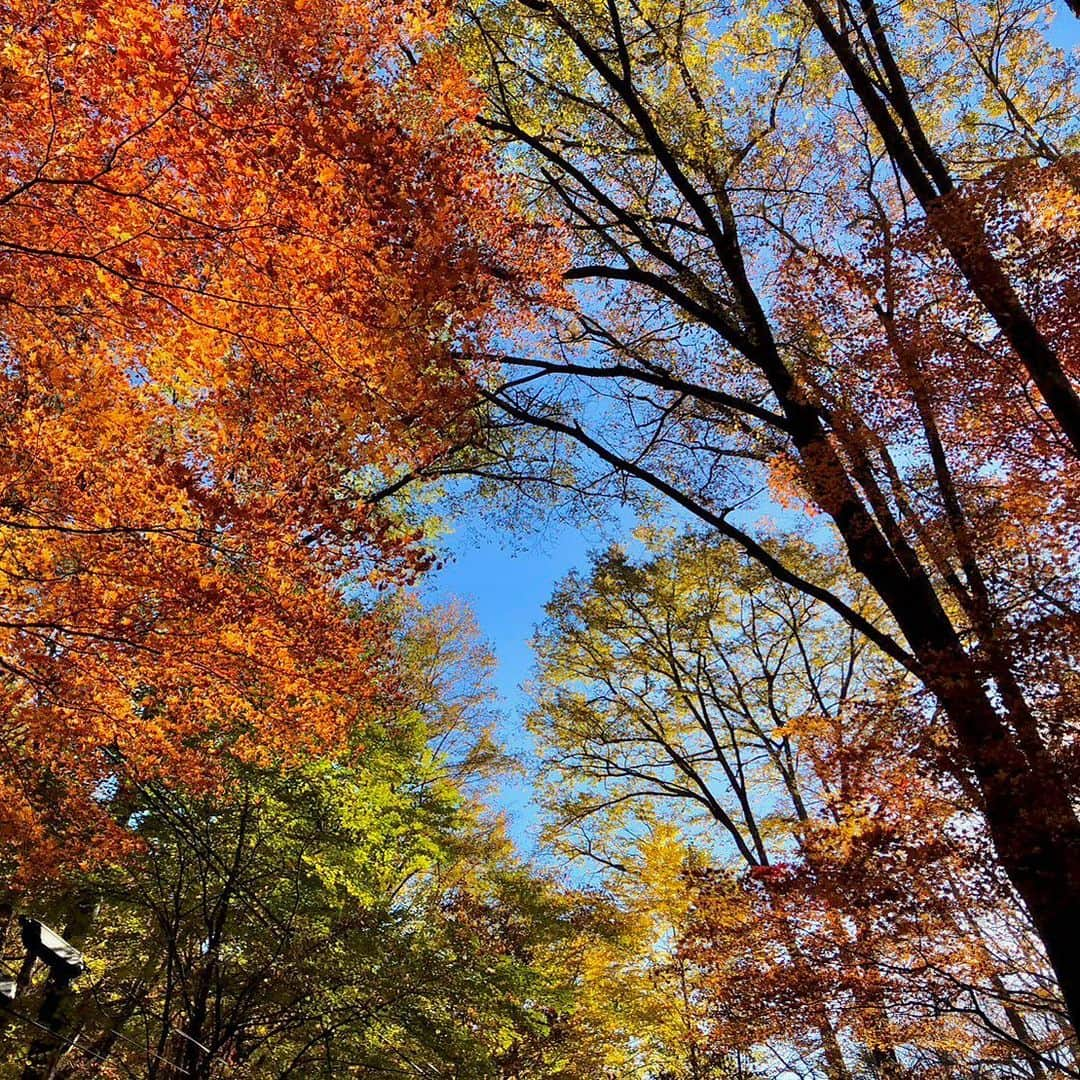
{"type": "Point", "coordinates": [895, 336]}
{"type": "Point", "coordinates": [902, 357]}
{"type": "Point", "coordinates": [887, 923]}
{"type": "Point", "coordinates": [237, 241]}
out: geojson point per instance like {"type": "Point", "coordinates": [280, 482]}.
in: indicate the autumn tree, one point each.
{"type": "Point", "coordinates": [767, 300]}
{"type": "Point", "coordinates": [346, 916]}
{"type": "Point", "coordinates": [353, 913]}
{"type": "Point", "coordinates": [834, 894]}
{"type": "Point", "coordinates": [237, 241]}
{"type": "Point", "coordinates": [874, 48]}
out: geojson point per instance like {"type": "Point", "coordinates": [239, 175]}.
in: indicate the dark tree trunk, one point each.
{"type": "Point", "coordinates": [893, 115]}
{"type": "Point", "coordinates": [1031, 820]}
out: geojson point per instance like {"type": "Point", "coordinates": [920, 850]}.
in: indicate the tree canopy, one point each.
{"type": "Point", "coordinates": [289, 288]}
{"type": "Point", "coordinates": [820, 267]}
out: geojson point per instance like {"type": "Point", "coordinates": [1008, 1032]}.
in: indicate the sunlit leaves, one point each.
{"type": "Point", "coordinates": [238, 243]}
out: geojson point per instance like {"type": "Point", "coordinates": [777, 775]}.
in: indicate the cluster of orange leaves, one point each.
{"type": "Point", "coordinates": [237, 242]}
{"type": "Point", "coordinates": [880, 925]}
{"type": "Point", "coordinates": [1011, 465]}
{"type": "Point", "coordinates": [1012, 472]}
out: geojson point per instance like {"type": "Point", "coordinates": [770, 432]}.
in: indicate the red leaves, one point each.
{"type": "Point", "coordinates": [777, 874]}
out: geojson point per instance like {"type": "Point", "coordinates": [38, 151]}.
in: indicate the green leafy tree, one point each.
{"type": "Point", "coordinates": [349, 917]}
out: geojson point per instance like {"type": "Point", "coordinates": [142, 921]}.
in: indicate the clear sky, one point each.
{"type": "Point", "coordinates": [1065, 32]}
{"type": "Point", "coordinates": [506, 582]}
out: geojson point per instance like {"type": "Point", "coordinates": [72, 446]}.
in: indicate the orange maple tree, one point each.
{"type": "Point", "coordinates": [237, 242]}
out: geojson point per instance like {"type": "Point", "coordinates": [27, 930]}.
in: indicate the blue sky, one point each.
{"type": "Point", "coordinates": [506, 581]}
{"type": "Point", "coordinates": [1065, 31]}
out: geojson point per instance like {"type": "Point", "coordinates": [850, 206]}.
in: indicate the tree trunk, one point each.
{"type": "Point", "coordinates": [835, 1065]}
{"type": "Point", "coordinates": [963, 236]}
{"type": "Point", "coordinates": [1020, 1030]}
{"type": "Point", "coordinates": [886, 1064]}
{"type": "Point", "coordinates": [1033, 825]}
{"type": "Point", "coordinates": [1031, 820]}
{"type": "Point", "coordinates": [966, 243]}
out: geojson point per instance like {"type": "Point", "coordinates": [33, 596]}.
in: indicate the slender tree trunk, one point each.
{"type": "Point", "coordinates": [965, 241]}
{"type": "Point", "coordinates": [835, 1065]}
{"type": "Point", "coordinates": [893, 115]}
{"type": "Point", "coordinates": [1020, 1030]}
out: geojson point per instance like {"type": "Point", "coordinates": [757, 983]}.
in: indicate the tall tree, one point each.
{"type": "Point", "coordinates": [873, 45]}
{"type": "Point", "coordinates": [824, 861]}
{"type": "Point", "coordinates": [714, 173]}
{"type": "Point", "coordinates": [346, 918]}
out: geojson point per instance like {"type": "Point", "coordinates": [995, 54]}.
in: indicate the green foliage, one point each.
{"type": "Point", "coordinates": [340, 918]}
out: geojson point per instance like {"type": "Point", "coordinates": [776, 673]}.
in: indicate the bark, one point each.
{"type": "Point", "coordinates": [1033, 825]}
{"type": "Point", "coordinates": [1020, 1030]}
{"type": "Point", "coordinates": [966, 243]}
{"type": "Point", "coordinates": [835, 1065]}
{"type": "Point", "coordinates": [886, 1064]}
